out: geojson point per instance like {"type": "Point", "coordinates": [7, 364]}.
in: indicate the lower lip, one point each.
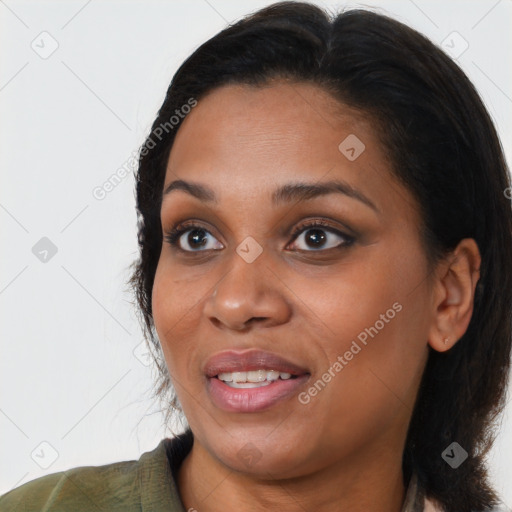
{"type": "Point", "coordinates": [252, 399]}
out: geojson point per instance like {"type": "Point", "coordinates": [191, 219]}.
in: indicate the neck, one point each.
{"type": "Point", "coordinates": [374, 482]}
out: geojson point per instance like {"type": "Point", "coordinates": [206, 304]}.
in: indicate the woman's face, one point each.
{"type": "Point", "coordinates": [251, 286]}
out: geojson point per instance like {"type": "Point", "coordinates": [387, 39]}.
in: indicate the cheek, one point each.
{"type": "Point", "coordinates": [173, 310]}
{"type": "Point", "coordinates": [162, 303]}
{"type": "Point", "coordinates": [352, 299]}
{"type": "Point", "coordinates": [375, 315]}
{"type": "Point", "coordinates": [177, 304]}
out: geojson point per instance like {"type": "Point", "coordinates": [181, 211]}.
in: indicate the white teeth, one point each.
{"type": "Point", "coordinates": [256, 376]}
{"type": "Point", "coordinates": [253, 378]}
{"type": "Point", "coordinates": [272, 375]}
{"type": "Point", "coordinates": [239, 376]}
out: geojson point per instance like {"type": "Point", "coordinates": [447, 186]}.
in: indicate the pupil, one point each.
{"type": "Point", "coordinates": [317, 237]}
{"type": "Point", "coordinates": [197, 237]}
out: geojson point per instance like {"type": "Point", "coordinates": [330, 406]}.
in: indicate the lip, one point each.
{"type": "Point", "coordinates": [247, 360]}
{"type": "Point", "coordinates": [248, 400]}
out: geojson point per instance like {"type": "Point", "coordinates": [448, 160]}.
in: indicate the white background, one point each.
{"type": "Point", "coordinates": [68, 374]}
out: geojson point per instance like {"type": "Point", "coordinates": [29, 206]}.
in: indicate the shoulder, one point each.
{"type": "Point", "coordinates": [80, 488]}
{"type": "Point", "coordinates": [134, 485]}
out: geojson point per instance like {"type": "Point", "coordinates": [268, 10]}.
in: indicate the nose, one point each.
{"type": "Point", "coordinates": [248, 293]}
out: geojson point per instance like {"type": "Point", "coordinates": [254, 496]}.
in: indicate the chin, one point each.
{"type": "Point", "coordinates": [260, 452]}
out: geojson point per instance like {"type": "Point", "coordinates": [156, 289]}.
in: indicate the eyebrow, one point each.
{"type": "Point", "coordinates": [300, 191]}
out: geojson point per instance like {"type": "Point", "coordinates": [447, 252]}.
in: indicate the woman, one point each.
{"type": "Point", "coordinates": [325, 278]}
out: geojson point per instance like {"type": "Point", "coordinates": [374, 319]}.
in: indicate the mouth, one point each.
{"type": "Point", "coordinates": [252, 381]}
{"type": "Point", "coordinates": [253, 378]}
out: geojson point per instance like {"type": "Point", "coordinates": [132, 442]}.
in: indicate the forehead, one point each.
{"type": "Point", "coordinates": [244, 141]}
{"type": "Point", "coordinates": [273, 119]}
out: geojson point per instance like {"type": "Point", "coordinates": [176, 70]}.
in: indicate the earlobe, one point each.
{"type": "Point", "coordinates": [454, 294]}
{"type": "Point", "coordinates": [442, 343]}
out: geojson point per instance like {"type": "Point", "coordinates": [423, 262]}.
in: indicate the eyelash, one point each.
{"type": "Point", "coordinates": [173, 235]}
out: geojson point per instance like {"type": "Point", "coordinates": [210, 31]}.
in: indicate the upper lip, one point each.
{"type": "Point", "coordinates": [240, 361]}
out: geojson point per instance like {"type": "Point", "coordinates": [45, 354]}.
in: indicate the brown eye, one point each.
{"type": "Point", "coordinates": [192, 239]}
{"type": "Point", "coordinates": [318, 236]}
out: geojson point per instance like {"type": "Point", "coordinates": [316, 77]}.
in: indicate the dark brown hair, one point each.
{"type": "Point", "coordinates": [443, 147]}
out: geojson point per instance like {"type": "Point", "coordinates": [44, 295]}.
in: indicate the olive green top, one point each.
{"type": "Point", "coordinates": [144, 485]}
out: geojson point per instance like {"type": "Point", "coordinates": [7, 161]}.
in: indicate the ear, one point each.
{"type": "Point", "coordinates": [453, 295]}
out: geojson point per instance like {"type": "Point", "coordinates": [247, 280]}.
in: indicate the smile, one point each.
{"type": "Point", "coordinates": [253, 379]}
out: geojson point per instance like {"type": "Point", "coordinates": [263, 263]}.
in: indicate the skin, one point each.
{"type": "Point", "coordinates": [343, 449]}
